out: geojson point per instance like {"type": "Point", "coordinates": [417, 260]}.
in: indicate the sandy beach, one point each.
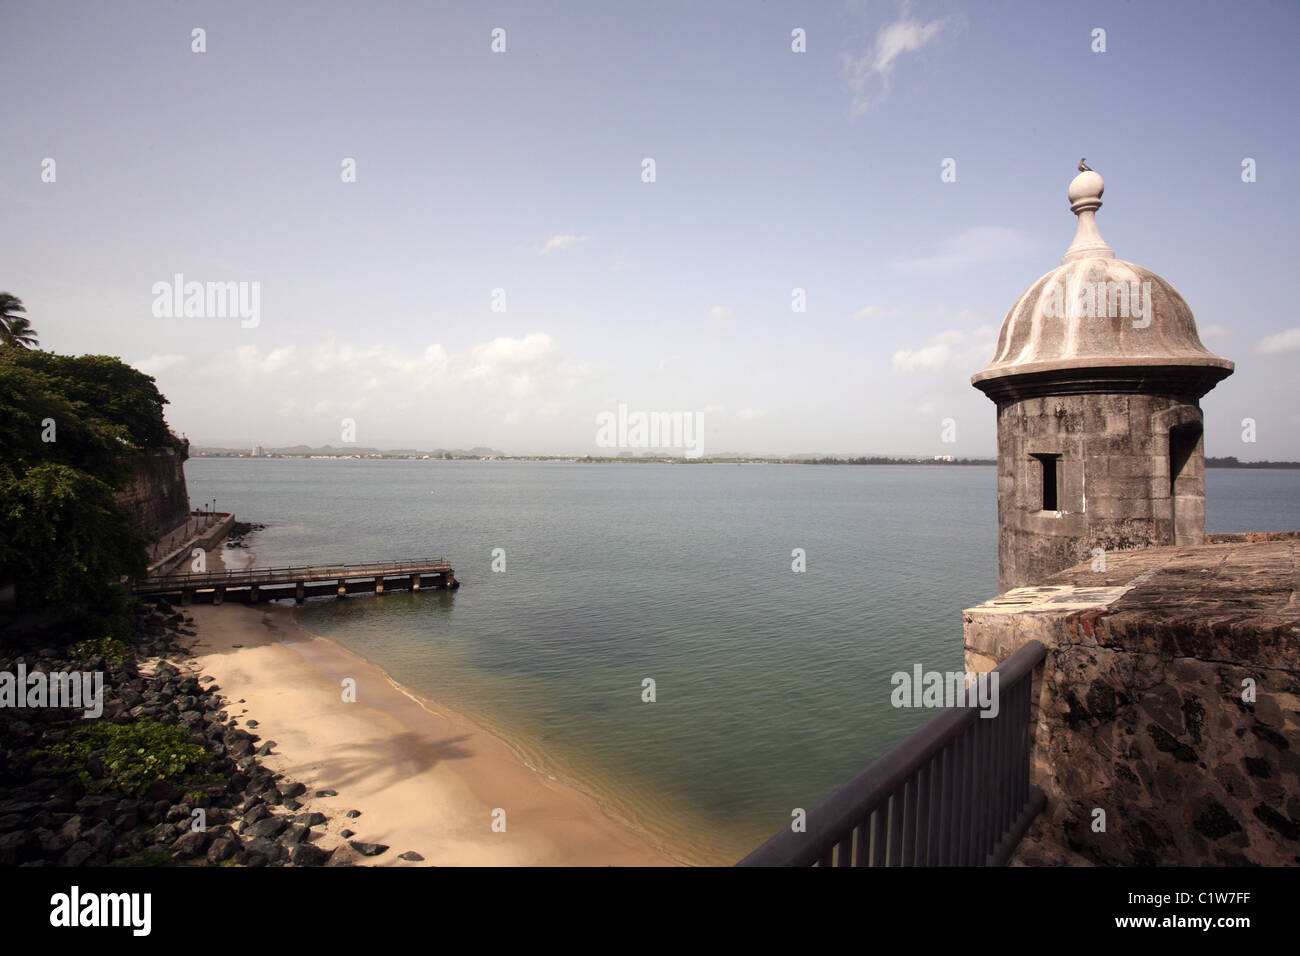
{"type": "Point", "coordinates": [423, 777]}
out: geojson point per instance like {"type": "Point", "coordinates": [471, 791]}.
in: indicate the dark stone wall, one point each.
{"type": "Point", "coordinates": [155, 495]}
{"type": "Point", "coordinates": [1187, 771]}
{"type": "Point", "coordinates": [1169, 702]}
{"type": "Point", "coordinates": [1112, 479]}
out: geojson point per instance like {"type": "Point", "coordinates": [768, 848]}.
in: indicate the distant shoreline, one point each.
{"type": "Point", "coordinates": [371, 455]}
{"type": "Point", "coordinates": [592, 459]}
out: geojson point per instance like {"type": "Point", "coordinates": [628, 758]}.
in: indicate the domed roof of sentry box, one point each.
{"type": "Point", "coordinates": [1098, 323]}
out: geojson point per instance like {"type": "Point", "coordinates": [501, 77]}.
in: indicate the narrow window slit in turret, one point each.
{"type": "Point", "coordinates": [1049, 465]}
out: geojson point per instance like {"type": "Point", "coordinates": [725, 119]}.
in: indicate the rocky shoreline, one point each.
{"type": "Point", "coordinates": [236, 812]}
{"type": "Point", "coordinates": [241, 530]}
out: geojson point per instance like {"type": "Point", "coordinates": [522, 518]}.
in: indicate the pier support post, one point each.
{"type": "Point", "coordinates": [343, 588]}
{"type": "Point", "coordinates": [187, 597]}
{"type": "Point", "coordinates": [415, 582]}
{"type": "Point", "coordinates": [219, 596]}
{"type": "Point", "coordinates": [449, 579]}
{"type": "Point", "coordinates": [379, 585]}
{"type": "Point", "coordinates": [253, 594]}
{"type": "Point", "coordinates": [299, 592]}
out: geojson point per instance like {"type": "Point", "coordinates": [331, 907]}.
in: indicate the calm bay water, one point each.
{"type": "Point", "coordinates": [772, 686]}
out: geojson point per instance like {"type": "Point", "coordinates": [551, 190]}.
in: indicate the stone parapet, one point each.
{"type": "Point", "coordinates": [1169, 701]}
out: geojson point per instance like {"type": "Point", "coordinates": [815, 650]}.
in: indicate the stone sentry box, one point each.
{"type": "Point", "coordinates": [1097, 379]}
{"type": "Point", "coordinates": [1082, 472]}
{"type": "Point", "coordinates": [1167, 700]}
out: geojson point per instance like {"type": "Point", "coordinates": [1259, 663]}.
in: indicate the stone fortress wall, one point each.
{"type": "Point", "coordinates": [1169, 702]}
{"type": "Point", "coordinates": [154, 494]}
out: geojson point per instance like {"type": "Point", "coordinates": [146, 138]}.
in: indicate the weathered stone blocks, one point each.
{"type": "Point", "coordinates": [1169, 700]}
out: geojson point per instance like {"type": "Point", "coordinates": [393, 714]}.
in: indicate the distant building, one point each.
{"type": "Point", "coordinates": [257, 451]}
{"type": "Point", "coordinates": [1098, 378]}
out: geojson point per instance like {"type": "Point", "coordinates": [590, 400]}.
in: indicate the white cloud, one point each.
{"type": "Point", "coordinates": [562, 241]}
{"type": "Point", "coordinates": [1215, 332]}
{"type": "Point", "coordinates": [157, 364]}
{"type": "Point", "coordinates": [296, 389]}
{"type": "Point", "coordinates": [722, 313]}
{"type": "Point", "coordinates": [870, 75]}
{"type": "Point", "coordinates": [953, 348]}
{"type": "Point", "coordinates": [876, 312]}
{"type": "Point", "coordinates": [251, 365]}
{"type": "Point", "coordinates": [973, 247]}
{"type": "Point", "coordinates": [1286, 341]}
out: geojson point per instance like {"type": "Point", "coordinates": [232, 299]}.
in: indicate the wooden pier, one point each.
{"type": "Point", "coordinates": [273, 584]}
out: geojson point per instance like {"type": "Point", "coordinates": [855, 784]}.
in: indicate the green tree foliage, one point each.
{"type": "Point", "coordinates": [102, 390]}
{"type": "Point", "coordinates": [65, 540]}
{"type": "Point", "coordinates": [15, 329]}
{"type": "Point", "coordinates": [70, 427]}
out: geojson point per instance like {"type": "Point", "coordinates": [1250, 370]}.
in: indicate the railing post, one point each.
{"type": "Point", "coordinates": [921, 842]}
{"type": "Point", "coordinates": [879, 839]}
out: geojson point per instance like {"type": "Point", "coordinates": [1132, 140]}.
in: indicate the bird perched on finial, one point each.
{"type": "Point", "coordinates": [1083, 165]}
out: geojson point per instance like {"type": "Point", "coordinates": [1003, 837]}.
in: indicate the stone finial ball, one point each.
{"type": "Point", "coordinates": [1087, 185]}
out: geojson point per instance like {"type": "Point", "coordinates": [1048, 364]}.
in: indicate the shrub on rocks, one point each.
{"type": "Point", "coordinates": [134, 755]}
{"type": "Point", "coordinates": [110, 649]}
{"type": "Point", "coordinates": [121, 791]}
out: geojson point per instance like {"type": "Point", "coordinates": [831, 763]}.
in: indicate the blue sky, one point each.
{"type": "Point", "coordinates": [522, 171]}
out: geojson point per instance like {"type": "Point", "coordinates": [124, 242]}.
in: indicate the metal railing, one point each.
{"type": "Point", "coordinates": [955, 792]}
{"type": "Point", "coordinates": [290, 575]}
